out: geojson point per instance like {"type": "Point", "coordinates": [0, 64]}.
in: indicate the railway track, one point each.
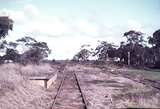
{"type": "Point", "coordinates": [69, 94]}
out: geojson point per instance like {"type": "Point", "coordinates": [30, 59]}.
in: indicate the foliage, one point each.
{"type": "Point", "coordinates": [105, 50]}
{"type": "Point", "coordinates": [134, 50]}
{"type": "Point", "coordinates": [6, 24]}
{"type": "Point", "coordinates": [10, 51]}
{"type": "Point", "coordinates": [36, 52]}
{"type": "Point", "coordinates": [134, 37]}
{"type": "Point", "coordinates": [11, 54]}
{"type": "Point", "coordinates": [134, 46]}
{"type": "Point", "coordinates": [83, 55]}
{"type": "Point", "coordinates": [155, 42]}
{"type": "Point", "coordinates": [26, 40]}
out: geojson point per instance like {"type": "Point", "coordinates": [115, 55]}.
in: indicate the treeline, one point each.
{"type": "Point", "coordinates": [135, 51]}
{"type": "Point", "coordinates": [24, 50]}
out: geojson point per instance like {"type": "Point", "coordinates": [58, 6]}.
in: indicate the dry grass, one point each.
{"type": "Point", "coordinates": [42, 69]}
{"type": "Point", "coordinates": [17, 92]}
{"type": "Point", "coordinates": [103, 89]}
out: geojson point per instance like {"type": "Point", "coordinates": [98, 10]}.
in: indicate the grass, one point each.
{"type": "Point", "coordinates": [17, 92]}
{"type": "Point", "coordinates": [153, 74]}
{"type": "Point", "coordinates": [137, 97]}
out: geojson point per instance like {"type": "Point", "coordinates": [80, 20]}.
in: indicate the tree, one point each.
{"type": "Point", "coordinates": [149, 59]}
{"type": "Point", "coordinates": [122, 52]}
{"type": "Point", "coordinates": [132, 52]}
{"type": "Point", "coordinates": [26, 40]}
{"type": "Point", "coordinates": [155, 42]}
{"type": "Point", "coordinates": [3, 44]}
{"type": "Point", "coordinates": [83, 55]}
{"type": "Point", "coordinates": [105, 50]}
{"type": "Point", "coordinates": [10, 51]}
{"type": "Point", "coordinates": [6, 24]}
{"type": "Point", "coordinates": [11, 54]}
{"type": "Point", "coordinates": [36, 50]}
{"type": "Point", "coordinates": [134, 37]}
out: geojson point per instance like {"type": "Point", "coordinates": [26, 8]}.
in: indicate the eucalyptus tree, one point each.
{"type": "Point", "coordinates": [132, 51]}
{"type": "Point", "coordinates": [105, 50]}
{"type": "Point", "coordinates": [82, 55]}
{"type": "Point", "coordinates": [36, 51]}
{"type": "Point", "coordinates": [85, 52]}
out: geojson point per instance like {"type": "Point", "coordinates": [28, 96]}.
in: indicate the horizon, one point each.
{"type": "Point", "coordinates": [74, 23]}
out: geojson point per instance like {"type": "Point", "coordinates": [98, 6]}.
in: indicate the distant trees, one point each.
{"type": "Point", "coordinates": [155, 42]}
{"type": "Point", "coordinates": [134, 51]}
{"type": "Point", "coordinates": [134, 37]}
{"type": "Point", "coordinates": [11, 53]}
{"type": "Point", "coordinates": [84, 53]}
{"type": "Point", "coordinates": [105, 50]}
{"type": "Point", "coordinates": [149, 59]}
{"type": "Point", "coordinates": [35, 52]}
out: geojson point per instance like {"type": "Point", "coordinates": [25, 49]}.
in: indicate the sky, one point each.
{"type": "Point", "coordinates": [67, 24]}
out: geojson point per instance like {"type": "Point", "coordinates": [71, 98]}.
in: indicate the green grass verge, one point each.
{"type": "Point", "coordinates": [153, 74]}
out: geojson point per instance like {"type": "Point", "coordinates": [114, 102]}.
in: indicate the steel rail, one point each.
{"type": "Point", "coordinates": [82, 94]}
{"type": "Point", "coordinates": [58, 92]}
{"type": "Point", "coordinates": [79, 88]}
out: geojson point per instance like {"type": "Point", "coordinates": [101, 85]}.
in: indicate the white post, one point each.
{"type": "Point", "coordinates": [129, 58]}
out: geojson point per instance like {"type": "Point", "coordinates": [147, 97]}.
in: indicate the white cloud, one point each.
{"type": "Point", "coordinates": [17, 16]}
{"type": "Point", "coordinates": [86, 27]}
{"type": "Point", "coordinates": [70, 35]}
{"type": "Point", "coordinates": [52, 27]}
{"type": "Point", "coordinates": [28, 13]}
{"type": "Point", "coordinates": [31, 11]}
{"type": "Point", "coordinates": [134, 25]}
{"type": "Point", "coordinates": [31, 21]}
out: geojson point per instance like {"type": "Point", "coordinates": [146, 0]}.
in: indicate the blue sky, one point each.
{"type": "Point", "coordinates": [76, 22]}
{"type": "Point", "coordinates": [116, 10]}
